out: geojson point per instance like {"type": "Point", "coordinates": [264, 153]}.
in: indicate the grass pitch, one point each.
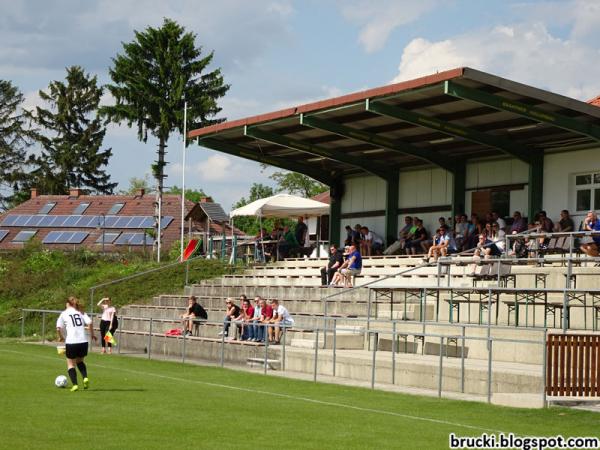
{"type": "Point", "coordinates": [137, 403]}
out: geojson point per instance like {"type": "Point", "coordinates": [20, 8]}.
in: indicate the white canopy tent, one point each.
{"type": "Point", "coordinates": [281, 205]}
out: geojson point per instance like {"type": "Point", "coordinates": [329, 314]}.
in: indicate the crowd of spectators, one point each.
{"type": "Point", "coordinates": [283, 242]}
{"type": "Point", "coordinates": [255, 322]}
{"type": "Point", "coordinates": [486, 236]}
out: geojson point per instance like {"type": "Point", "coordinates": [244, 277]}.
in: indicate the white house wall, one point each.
{"type": "Point", "coordinates": [559, 173]}
{"type": "Point", "coordinates": [482, 174]}
{"type": "Point", "coordinates": [427, 187]}
{"type": "Point", "coordinates": [363, 194]}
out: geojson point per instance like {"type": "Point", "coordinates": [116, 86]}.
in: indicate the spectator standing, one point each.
{"type": "Point", "coordinates": [232, 312]}
{"type": "Point", "coordinates": [301, 232]}
{"type": "Point", "coordinates": [335, 261]}
{"type": "Point", "coordinates": [281, 319]}
{"type": "Point", "coordinates": [108, 322]}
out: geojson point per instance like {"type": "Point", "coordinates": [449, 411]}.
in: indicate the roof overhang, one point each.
{"type": "Point", "coordinates": [441, 120]}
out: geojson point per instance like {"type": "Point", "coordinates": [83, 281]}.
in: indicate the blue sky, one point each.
{"type": "Point", "coordinates": [280, 53]}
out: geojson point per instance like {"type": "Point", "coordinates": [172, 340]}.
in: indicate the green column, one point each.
{"type": "Point", "coordinates": [391, 208]}
{"type": "Point", "coordinates": [335, 212]}
{"type": "Point", "coordinates": [536, 185]}
{"type": "Point", "coordinates": [459, 180]}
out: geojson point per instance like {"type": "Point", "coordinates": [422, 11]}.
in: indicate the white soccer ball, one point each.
{"type": "Point", "coordinates": [61, 381]}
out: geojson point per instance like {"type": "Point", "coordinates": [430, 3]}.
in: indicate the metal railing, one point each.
{"type": "Point", "coordinates": [269, 355]}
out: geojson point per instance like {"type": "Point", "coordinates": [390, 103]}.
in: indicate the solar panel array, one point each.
{"type": "Point", "coordinates": [3, 234]}
{"type": "Point", "coordinates": [78, 221]}
{"type": "Point", "coordinates": [134, 239]}
{"type": "Point", "coordinates": [65, 237]}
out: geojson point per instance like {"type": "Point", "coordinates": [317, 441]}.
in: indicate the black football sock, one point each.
{"type": "Point", "coordinates": [82, 369]}
{"type": "Point", "coordinates": [73, 375]}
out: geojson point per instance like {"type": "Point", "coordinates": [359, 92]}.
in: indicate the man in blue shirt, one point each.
{"type": "Point", "coordinates": [591, 223]}
{"type": "Point", "coordinates": [352, 266]}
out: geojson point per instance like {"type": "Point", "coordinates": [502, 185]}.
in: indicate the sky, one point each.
{"type": "Point", "coordinates": [281, 53]}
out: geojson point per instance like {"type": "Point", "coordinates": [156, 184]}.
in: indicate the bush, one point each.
{"type": "Point", "coordinates": [44, 261]}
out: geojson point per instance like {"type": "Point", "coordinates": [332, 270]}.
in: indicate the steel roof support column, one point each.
{"type": "Point", "coordinates": [392, 195]}
{"type": "Point", "coordinates": [535, 185]}
{"type": "Point", "coordinates": [459, 185]}
{"type": "Point", "coordinates": [335, 212]}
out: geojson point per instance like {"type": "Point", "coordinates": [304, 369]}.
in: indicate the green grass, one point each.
{"type": "Point", "coordinates": [137, 403]}
{"type": "Point", "coordinates": [37, 279]}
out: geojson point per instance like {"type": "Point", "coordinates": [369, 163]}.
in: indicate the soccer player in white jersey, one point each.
{"type": "Point", "coordinates": [74, 321]}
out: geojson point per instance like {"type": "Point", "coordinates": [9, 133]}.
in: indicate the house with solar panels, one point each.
{"type": "Point", "coordinates": [110, 223]}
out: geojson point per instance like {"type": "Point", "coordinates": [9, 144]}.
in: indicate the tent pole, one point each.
{"type": "Point", "coordinates": [262, 241]}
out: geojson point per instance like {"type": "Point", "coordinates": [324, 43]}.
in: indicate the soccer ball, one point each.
{"type": "Point", "coordinates": [61, 381]}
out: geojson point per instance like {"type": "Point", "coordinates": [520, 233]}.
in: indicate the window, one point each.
{"type": "Point", "coordinates": [24, 236]}
{"type": "Point", "coordinates": [114, 209]}
{"type": "Point", "coordinates": [109, 238]}
{"type": "Point", "coordinates": [81, 208]}
{"type": "Point", "coordinates": [47, 208]}
{"type": "Point", "coordinates": [3, 234]}
{"type": "Point", "coordinates": [587, 192]}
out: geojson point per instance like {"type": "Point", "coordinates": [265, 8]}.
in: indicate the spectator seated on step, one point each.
{"type": "Point", "coordinates": [253, 325]}
{"type": "Point", "coordinates": [351, 235]}
{"type": "Point", "coordinates": [545, 225]}
{"type": "Point", "coordinates": [399, 246]}
{"type": "Point", "coordinates": [443, 244]}
{"type": "Point", "coordinates": [461, 228]}
{"type": "Point", "coordinates": [499, 220]}
{"type": "Point", "coordinates": [336, 259]}
{"type": "Point", "coordinates": [266, 314]}
{"type": "Point", "coordinates": [195, 313]}
{"type": "Point", "coordinates": [244, 319]}
{"type": "Point", "coordinates": [565, 224]}
{"type": "Point", "coordinates": [414, 241]}
{"type": "Point", "coordinates": [232, 312]}
{"type": "Point", "coordinates": [519, 224]}
{"type": "Point", "coordinates": [281, 319]}
{"type": "Point", "coordinates": [429, 242]}
{"type": "Point", "coordinates": [591, 223]}
{"type": "Point", "coordinates": [349, 269]}
{"type": "Point", "coordinates": [483, 250]}
{"type": "Point", "coordinates": [371, 242]}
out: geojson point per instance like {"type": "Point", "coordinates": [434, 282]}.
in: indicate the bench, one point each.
{"type": "Point", "coordinates": [549, 308]}
{"type": "Point", "coordinates": [459, 297]}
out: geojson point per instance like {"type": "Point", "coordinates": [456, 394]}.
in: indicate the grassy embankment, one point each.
{"type": "Point", "coordinates": [39, 279]}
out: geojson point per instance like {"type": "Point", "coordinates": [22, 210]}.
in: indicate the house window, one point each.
{"type": "Point", "coordinates": [80, 208]}
{"type": "Point", "coordinates": [47, 208]}
{"type": "Point", "coordinates": [24, 236]}
{"type": "Point", "coordinates": [587, 192]}
{"type": "Point", "coordinates": [115, 209]}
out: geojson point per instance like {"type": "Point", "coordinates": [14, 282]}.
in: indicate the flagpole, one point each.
{"type": "Point", "coordinates": [183, 177]}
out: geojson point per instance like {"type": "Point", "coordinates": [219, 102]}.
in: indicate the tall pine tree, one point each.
{"type": "Point", "coordinates": [71, 136]}
{"type": "Point", "coordinates": [15, 137]}
{"type": "Point", "coordinates": [151, 78]}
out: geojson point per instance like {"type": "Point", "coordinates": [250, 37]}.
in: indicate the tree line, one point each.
{"type": "Point", "coordinates": [60, 146]}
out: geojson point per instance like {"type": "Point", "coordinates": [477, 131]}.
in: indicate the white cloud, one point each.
{"type": "Point", "coordinates": [525, 52]}
{"type": "Point", "coordinates": [378, 19]}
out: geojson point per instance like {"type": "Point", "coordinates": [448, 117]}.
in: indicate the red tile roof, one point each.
{"type": "Point", "coordinates": [133, 205]}
{"type": "Point", "coordinates": [595, 101]}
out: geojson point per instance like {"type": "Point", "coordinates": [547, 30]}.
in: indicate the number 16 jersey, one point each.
{"type": "Point", "coordinates": [75, 323]}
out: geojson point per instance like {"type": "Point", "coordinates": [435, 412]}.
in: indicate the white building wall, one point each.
{"type": "Point", "coordinates": [559, 174]}
{"type": "Point", "coordinates": [482, 174]}
{"type": "Point", "coordinates": [363, 194]}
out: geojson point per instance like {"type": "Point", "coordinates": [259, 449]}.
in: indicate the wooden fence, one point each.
{"type": "Point", "coordinates": [573, 365]}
